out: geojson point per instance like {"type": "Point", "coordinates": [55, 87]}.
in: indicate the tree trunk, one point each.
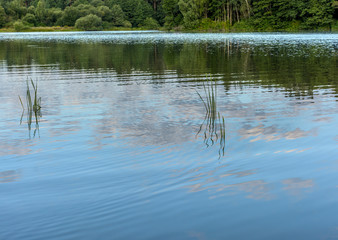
{"type": "Point", "coordinates": [248, 7]}
{"type": "Point", "coordinates": [230, 16]}
{"type": "Point", "coordinates": [155, 5]}
{"type": "Point", "coordinates": [228, 11]}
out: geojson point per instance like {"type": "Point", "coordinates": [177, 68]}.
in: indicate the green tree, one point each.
{"type": "Point", "coordinates": [136, 11]}
{"type": "Point", "coordinates": [30, 19]}
{"type": "Point", "coordinates": [173, 16]}
{"type": "Point", "coordinates": [41, 11]}
{"type": "Point", "coordinates": [90, 22]}
{"type": "Point", "coordinates": [150, 23]}
{"type": "Point", "coordinates": [3, 17]}
{"type": "Point", "coordinates": [96, 3]}
{"type": "Point", "coordinates": [118, 16]}
{"type": "Point", "coordinates": [318, 13]}
{"type": "Point", "coordinates": [105, 13]}
{"type": "Point", "coordinates": [190, 12]}
{"type": "Point", "coordinates": [16, 9]}
{"type": "Point", "coordinates": [19, 26]}
{"type": "Point", "coordinates": [53, 15]}
{"type": "Point", "coordinates": [71, 14]}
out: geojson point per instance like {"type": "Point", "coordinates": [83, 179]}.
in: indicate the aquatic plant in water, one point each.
{"type": "Point", "coordinates": [213, 125]}
{"type": "Point", "coordinates": [33, 103]}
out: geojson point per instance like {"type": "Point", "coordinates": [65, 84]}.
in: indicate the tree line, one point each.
{"type": "Point", "coordinates": [171, 14]}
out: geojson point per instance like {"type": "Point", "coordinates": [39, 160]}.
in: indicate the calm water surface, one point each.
{"type": "Point", "coordinates": [124, 149]}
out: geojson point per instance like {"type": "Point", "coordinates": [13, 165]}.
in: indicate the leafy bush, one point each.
{"type": "Point", "coordinates": [30, 19]}
{"type": "Point", "coordinates": [207, 24]}
{"type": "Point", "coordinates": [105, 13]}
{"type": "Point", "coordinates": [20, 26]}
{"type": "Point", "coordinates": [96, 3]}
{"type": "Point", "coordinates": [150, 23]}
{"type": "Point", "coordinates": [335, 26]}
{"type": "Point", "coordinates": [71, 14]}
{"type": "Point", "coordinates": [243, 26]}
{"type": "Point", "coordinates": [127, 24]}
{"type": "Point", "coordinates": [31, 10]}
{"type": "Point", "coordinates": [90, 22]}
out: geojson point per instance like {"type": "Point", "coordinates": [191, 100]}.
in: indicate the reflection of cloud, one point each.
{"type": "Point", "coordinates": [296, 150]}
{"type": "Point", "coordinates": [296, 134]}
{"type": "Point", "coordinates": [9, 176]}
{"type": "Point", "coordinates": [17, 147]}
{"type": "Point", "coordinates": [256, 189]}
{"type": "Point", "coordinates": [197, 235]}
{"type": "Point", "coordinates": [323, 119]}
{"type": "Point", "coordinates": [295, 185]}
{"type": "Point", "coordinates": [272, 133]}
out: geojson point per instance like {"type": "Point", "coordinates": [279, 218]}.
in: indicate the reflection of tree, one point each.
{"type": "Point", "coordinates": [299, 69]}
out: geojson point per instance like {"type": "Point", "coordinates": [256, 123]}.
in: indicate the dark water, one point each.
{"type": "Point", "coordinates": [118, 152]}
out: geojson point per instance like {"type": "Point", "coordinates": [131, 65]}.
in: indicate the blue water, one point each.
{"type": "Point", "coordinates": [117, 153]}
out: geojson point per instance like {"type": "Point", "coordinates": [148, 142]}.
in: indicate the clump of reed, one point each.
{"type": "Point", "coordinates": [213, 123]}
{"type": "Point", "coordinates": [33, 104]}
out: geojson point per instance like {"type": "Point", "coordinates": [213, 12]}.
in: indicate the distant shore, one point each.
{"type": "Point", "coordinates": [198, 30]}
{"type": "Point", "coordinates": [63, 29]}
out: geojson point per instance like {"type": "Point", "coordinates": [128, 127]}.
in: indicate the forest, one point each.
{"type": "Point", "coordinates": [204, 15]}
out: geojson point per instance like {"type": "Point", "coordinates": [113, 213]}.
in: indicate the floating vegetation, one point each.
{"type": "Point", "coordinates": [213, 125]}
{"type": "Point", "coordinates": [33, 103]}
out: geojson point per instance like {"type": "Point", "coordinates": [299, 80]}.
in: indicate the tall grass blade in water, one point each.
{"type": "Point", "coordinates": [33, 103]}
{"type": "Point", "coordinates": [213, 123]}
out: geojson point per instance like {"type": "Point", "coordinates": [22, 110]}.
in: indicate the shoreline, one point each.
{"type": "Point", "coordinates": [73, 29]}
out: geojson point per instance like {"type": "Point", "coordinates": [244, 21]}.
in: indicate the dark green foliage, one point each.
{"type": "Point", "coordinates": [281, 14]}
{"type": "Point", "coordinates": [318, 13]}
{"type": "Point", "coordinates": [190, 12]}
{"type": "Point", "coordinates": [20, 26]}
{"type": "Point", "coordinates": [223, 15]}
{"type": "Point", "coordinates": [118, 17]}
{"type": "Point", "coordinates": [53, 16]}
{"type": "Point", "coordinates": [16, 9]}
{"type": "Point", "coordinates": [31, 10]}
{"type": "Point", "coordinates": [90, 22]}
{"type": "Point", "coordinates": [105, 13]}
{"type": "Point", "coordinates": [71, 14]}
{"type": "Point", "coordinates": [136, 11]}
{"type": "Point", "coordinates": [80, 2]}
{"type": "Point", "coordinates": [3, 16]}
{"type": "Point", "coordinates": [150, 23]}
{"type": "Point", "coordinates": [41, 11]}
{"type": "Point", "coordinates": [30, 19]}
{"type": "Point", "coordinates": [173, 16]}
{"type": "Point", "coordinates": [96, 3]}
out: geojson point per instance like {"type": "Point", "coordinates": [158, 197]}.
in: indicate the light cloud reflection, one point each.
{"type": "Point", "coordinates": [9, 176]}
{"type": "Point", "coordinates": [15, 147]}
{"type": "Point", "coordinates": [272, 133]}
{"type": "Point", "coordinates": [220, 182]}
{"type": "Point", "coordinates": [297, 186]}
{"type": "Point", "coordinates": [213, 182]}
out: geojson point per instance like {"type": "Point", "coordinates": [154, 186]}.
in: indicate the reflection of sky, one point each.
{"type": "Point", "coordinates": [126, 152]}
{"type": "Point", "coordinates": [165, 118]}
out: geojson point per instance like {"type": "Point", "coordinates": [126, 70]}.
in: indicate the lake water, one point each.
{"type": "Point", "coordinates": [125, 148]}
